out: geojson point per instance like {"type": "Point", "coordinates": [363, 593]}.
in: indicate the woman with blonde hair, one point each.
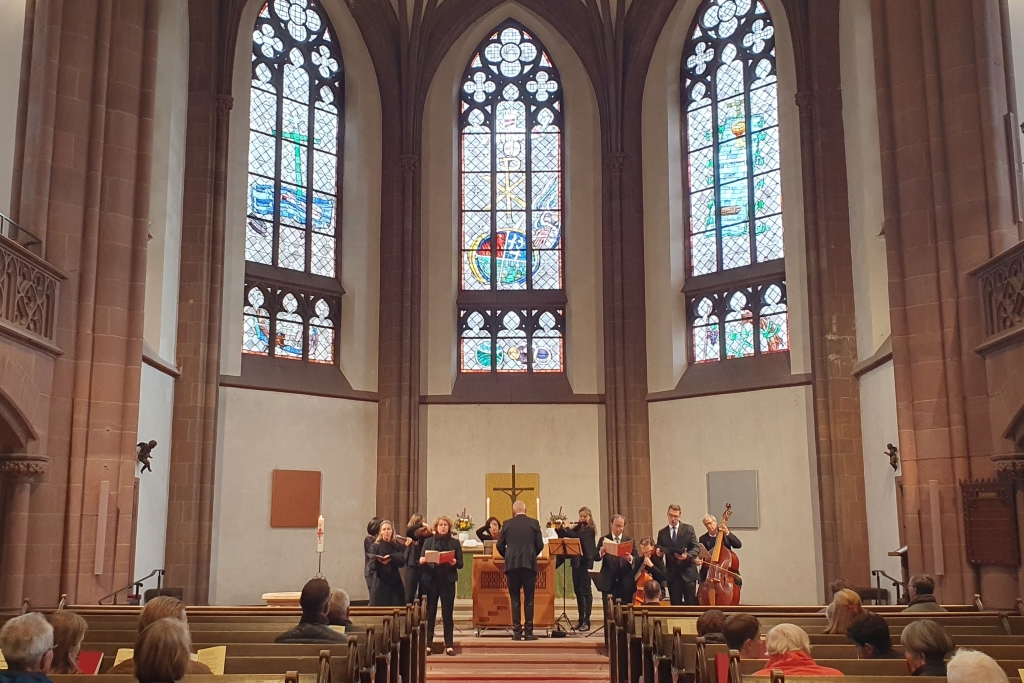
{"type": "Point", "coordinates": [419, 532]}
{"type": "Point", "coordinates": [439, 581]}
{"type": "Point", "coordinates": [162, 652]}
{"type": "Point", "coordinates": [846, 607]}
{"type": "Point", "coordinates": [162, 607]}
{"type": "Point", "coordinates": [68, 633]}
{"type": "Point", "coordinates": [789, 651]}
{"type": "Point", "coordinates": [385, 558]}
{"type": "Point", "coordinates": [586, 531]}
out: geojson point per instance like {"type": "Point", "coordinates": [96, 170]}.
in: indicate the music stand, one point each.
{"type": "Point", "coordinates": [565, 548]}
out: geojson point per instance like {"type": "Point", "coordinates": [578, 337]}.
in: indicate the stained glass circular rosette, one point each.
{"type": "Point", "coordinates": [516, 354]}
{"type": "Point", "coordinates": [511, 254]}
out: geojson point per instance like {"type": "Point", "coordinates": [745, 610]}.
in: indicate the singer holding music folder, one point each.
{"type": "Point", "coordinates": [439, 571]}
{"type": "Point", "coordinates": [519, 542]}
{"type": "Point", "coordinates": [617, 570]}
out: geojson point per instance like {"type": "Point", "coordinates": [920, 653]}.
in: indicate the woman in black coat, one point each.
{"type": "Point", "coordinates": [372, 529]}
{"type": "Point", "coordinates": [581, 566]}
{"type": "Point", "coordinates": [419, 532]}
{"type": "Point", "coordinates": [439, 581]}
{"type": "Point", "coordinates": [385, 557]}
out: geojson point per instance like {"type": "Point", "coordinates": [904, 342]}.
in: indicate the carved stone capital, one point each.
{"type": "Point", "coordinates": [1009, 466]}
{"type": "Point", "coordinates": [805, 100]}
{"type": "Point", "coordinates": [410, 163]}
{"type": "Point", "coordinates": [616, 162]}
{"type": "Point", "coordinates": [224, 103]}
{"type": "Point", "coordinates": [19, 466]}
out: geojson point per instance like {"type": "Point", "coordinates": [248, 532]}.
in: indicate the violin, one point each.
{"type": "Point", "coordinates": [719, 588]}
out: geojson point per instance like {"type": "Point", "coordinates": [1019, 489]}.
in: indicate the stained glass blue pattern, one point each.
{"type": "Point", "coordinates": [511, 125]}
{"type": "Point", "coordinates": [739, 322]}
{"type": "Point", "coordinates": [296, 96]}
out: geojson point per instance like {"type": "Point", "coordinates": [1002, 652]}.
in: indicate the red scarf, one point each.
{"type": "Point", "coordinates": [796, 663]}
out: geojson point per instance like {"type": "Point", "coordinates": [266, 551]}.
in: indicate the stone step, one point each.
{"type": "Point", "coordinates": [531, 660]}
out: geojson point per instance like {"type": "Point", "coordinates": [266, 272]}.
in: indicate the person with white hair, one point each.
{"type": "Point", "coordinates": [789, 651]}
{"type": "Point", "coordinates": [27, 645]}
{"type": "Point", "coordinates": [971, 666]}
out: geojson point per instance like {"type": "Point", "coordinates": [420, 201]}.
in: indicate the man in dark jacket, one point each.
{"type": "Point", "coordinates": [338, 612]}
{"type": "Point", "coordinates": [27, 645]}
{"type": "Point", "coordinates": [617, 576]}
{"type": "Point", "coordinates": [313, 626]}
{"type": "Point", "coordinates": [519, 543]}
{"type": "Point", "coordinates": [678, 542]}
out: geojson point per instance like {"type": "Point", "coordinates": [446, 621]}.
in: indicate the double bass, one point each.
{"type": "Point", "coordinates": [719, 588]}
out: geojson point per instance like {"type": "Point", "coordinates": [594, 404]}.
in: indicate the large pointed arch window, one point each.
{"type": "Point", "coordinates": [511, 262]}
{"type": "Point", "coordinates": [292, 290]}
{"type": "Point", "coordinates": [736, 281]}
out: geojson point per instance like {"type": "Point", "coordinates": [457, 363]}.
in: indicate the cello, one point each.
{"type": "Point", "coordinates": [719, 588]}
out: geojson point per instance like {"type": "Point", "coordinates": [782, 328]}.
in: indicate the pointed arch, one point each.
{"type": "Point", "coordinates": [511, 266]}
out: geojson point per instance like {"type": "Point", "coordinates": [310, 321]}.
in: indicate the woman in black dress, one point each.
{"type": "Point", "coordinates": [439, 582]}
{"type": "Point", "coordinates": [372, 529]}
{"type": "Point", "coordinates": [586, 531]}
{"type": "Point", "coordinates": [385, 557]}
{"type": "Point", "coordinates": [490, 530]}
{"type": "Point", "coordinates": [419, 532]}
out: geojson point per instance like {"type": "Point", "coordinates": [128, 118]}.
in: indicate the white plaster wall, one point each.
{"type": "Point", "coordinates": [864, 174]}
{"type": "Point", "coordinates": [770, 431]}
{"type": "Point", "coordinates": [156, 402]}
{"type": "Point", "coordinates": [12, 33]}
{"type": "Point", "coordinates": [878, 428]}
{"type": "Point", "coordinates": [665, 200]}
{"type": "Point", "coordinates": [164, 248]}
{"type": "Point", "coordinates": [360, 196]}
{"type": "Point", "coordinates": [261, 432]}
{"type": "Point", "coordinates": [582, 201]}
{"type": "Point", "coordinates": [563, 443]}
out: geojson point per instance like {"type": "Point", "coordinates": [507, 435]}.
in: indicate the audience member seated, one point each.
{"type": "Point", "coordinates": [163, 607]}
{"type": "Point", "coordinates": [845, 608]}
{"type": "Point", "coordinates": [163, 651]}
{"type": "Point", "coordinates": [970, 666]}
{"type": "Point", "coordinates": [742, 632]}
{"type": "Point", "coordinates": [870, 635]}
{"type": "Point", "coordinates": [314, 625]}
{"type": "Point", "coordinates": [921, 591]}
{"type": "Point", "coordinates": [490, 530]}
{"type": "Point", "coordinates": [835, 587]}
{"type": "Point", "coordinates": [789, 651]}
{"type": "Point", "coordinates": [710, 626]}
{"type": "Point", "coordinates": [68, 633]}
{"type": "Point", "coordinates": [925, 646]}
{"type": "Point", "coordinates": [27, 645]}
{"type": "Point", "coordinates": [652, 593]}
{"type": "Point", "coordinates": [338, 612]}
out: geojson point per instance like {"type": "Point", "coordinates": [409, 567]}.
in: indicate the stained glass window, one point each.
{"type": "Point", "coordinates": [289, 323]}
{"type": "Point", "coordinates": [730, 100]}
{"type": "Point", "coordinates": [295, 129]}
{"type": "Point", "coordinates": [511, 179]}
{"type": "Point", "coordinates": [295, 126]}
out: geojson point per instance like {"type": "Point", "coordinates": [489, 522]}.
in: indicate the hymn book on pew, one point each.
{"type": "Point", "coordinates": [213, 657]}
{"type": "Point", "coordinates": [89, 662]}
{"type": "Point", "coordinates": [439, 557]}
{"type": "Point", "coordinates": [617, 549]}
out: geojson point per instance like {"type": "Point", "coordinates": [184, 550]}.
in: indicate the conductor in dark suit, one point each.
{"type": "Point", "coordinates": [519, 542]}
{"type": "Point", "coordinates": [617, 572]}
{"type": "Point", "coordinates": [678, 542]}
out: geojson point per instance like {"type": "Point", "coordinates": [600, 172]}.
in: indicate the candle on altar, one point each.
{"type": "Point", "coordinates": [320, 534]}
{"type": "Point", "coordinates": [538, 508]}
{"type": "Point", "coordinates": [488, 508]}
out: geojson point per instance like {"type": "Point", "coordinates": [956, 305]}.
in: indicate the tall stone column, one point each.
{"type": "Point", "coordinates": [81, 183]}
{"type": "Point", "coordinates": [946, 176]}
{"type": "Point", "coordinates": [18, 471]}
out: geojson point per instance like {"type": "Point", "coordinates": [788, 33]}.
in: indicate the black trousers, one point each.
{"type": "Point", "coordinates": [681, 591]}
{"type": "Point", "coordinates": [445, 593]}
{"type": "Point", "coordinates": [412, 584]}
{"type": "Point", "coordinates": [581, 583]}
{"type": "Point", "coordinates": [525, 580]}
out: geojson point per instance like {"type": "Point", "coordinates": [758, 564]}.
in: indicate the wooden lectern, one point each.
{"type": "Point", "coordinates": [492, 607]}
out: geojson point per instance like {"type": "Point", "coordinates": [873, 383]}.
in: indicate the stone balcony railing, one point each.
{"type": "Point", "coordinates": [1002, 298]}
{"type": "Point", "coordinates": [29, 287]}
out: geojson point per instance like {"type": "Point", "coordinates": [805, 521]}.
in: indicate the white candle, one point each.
{"type": "Point", "coordinates": [538, 508]}
{"type": "Point", "coordinates": [488, 508]}
{"type": "Point", "coordinates": [320, 534]}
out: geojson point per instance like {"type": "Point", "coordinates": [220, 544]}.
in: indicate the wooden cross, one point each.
{"type": "Point", "coordinates": [513, 491]}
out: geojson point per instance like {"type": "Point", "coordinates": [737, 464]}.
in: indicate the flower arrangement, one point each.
{"type": "Point", "coordinates": [464, 521]}
{"type": "Point", "coordinates": [559, 516]}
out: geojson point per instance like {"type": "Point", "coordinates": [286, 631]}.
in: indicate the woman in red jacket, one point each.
{"type": "Point", "coordinates": [789, 651]}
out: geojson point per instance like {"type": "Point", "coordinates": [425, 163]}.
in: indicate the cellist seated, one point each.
{"type": "Point", "coordinates": [647, 566]}
{"type": "Point", "coordinates": [652, 593]}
